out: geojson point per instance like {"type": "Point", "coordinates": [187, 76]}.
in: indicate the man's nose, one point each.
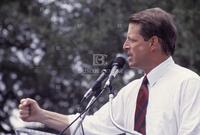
{"type": "Point", "coordinates": [125, 45]}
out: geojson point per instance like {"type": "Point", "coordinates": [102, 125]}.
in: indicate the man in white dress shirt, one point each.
{"type": "Point", "coordinates": [173, 91]}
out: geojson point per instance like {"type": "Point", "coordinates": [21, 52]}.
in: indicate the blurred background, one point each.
{"type": "Point", "coordinates": [53, 50]}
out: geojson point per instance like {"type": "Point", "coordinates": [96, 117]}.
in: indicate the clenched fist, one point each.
{"type": "Point", "coordinates": [30, 111]}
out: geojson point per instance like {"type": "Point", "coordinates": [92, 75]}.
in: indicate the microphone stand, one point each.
{"type": "Point", "coordinates": [90, 103]}
{"type": "Point", "coordinates": [111, 96]}
{"type": "Point", "coordinates": [82, 117]}
{"type": "Point", "coordinates": [93, 100]}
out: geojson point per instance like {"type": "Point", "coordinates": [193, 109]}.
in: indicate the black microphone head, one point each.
{"type": "Point", "coordinates": [109, 66]}
{"type": "Point", "coordinates": [119, 61]}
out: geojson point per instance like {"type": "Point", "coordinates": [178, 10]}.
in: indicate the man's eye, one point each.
{"type": "Point", "coordinates": [131, 40]}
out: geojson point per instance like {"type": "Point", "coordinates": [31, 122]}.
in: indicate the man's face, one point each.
{"type": "Point", "coordinates": [136, 47]}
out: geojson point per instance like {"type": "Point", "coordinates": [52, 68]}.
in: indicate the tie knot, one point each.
{"type": "Point", "coordinates": [145, 80]}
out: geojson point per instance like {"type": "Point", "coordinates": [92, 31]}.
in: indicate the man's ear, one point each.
{"type": "Point", "coordinates": [154, 43]}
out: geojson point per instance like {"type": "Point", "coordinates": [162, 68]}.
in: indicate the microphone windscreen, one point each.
{"type": "Point", "coordinates": [109, 66]}
{"type": "Point", "coordinates": [119, 61]}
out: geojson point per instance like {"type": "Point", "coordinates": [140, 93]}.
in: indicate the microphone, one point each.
{"type": "Point", "coordinates": [118, 64]}
{"type": "Point", "coordinates": [96, 87]}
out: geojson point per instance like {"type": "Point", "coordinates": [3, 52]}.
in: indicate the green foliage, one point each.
{"type": "Point", "coordinates": [45, 47]}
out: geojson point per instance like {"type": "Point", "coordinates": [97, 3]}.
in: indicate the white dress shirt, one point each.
{"type": "Point", "coordinates": [173, 106]}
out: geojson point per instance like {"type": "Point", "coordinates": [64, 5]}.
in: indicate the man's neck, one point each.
{"type": "Point", "coordinates": [155, 62]}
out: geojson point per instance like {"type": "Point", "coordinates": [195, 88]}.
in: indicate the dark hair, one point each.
{"type": "Point", "coordinates": [157, 22]}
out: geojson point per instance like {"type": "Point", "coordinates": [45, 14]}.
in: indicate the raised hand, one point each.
{"type": "Point", "coordinates": [29, 110]}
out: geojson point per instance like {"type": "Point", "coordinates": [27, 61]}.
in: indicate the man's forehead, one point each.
{"type": "Point", "coordinates": [134, 26]}
{"type": "Point", "coordinates": [133, 29]}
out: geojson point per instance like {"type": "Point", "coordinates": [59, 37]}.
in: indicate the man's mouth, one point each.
{"type": "Point", "coordinates": [129, 56]}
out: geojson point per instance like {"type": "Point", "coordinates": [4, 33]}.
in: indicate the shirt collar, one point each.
{"type": "Point", "coordinates": [154, 75]}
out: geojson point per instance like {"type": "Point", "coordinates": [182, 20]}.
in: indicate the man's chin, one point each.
{"type": "Point", "coordinates": [131, 65]}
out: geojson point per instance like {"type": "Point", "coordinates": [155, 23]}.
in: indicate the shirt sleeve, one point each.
{"type": "Point", "coordinates": [189, 110]}
{"type": "Point", "coordinates": [100, 123]}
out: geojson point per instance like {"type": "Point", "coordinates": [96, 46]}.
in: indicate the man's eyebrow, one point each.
{"type": "Point", "coordinates": [131, 39]}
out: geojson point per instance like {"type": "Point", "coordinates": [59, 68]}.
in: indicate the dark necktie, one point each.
{"type": "Point", "coordinates": [141, 108]}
